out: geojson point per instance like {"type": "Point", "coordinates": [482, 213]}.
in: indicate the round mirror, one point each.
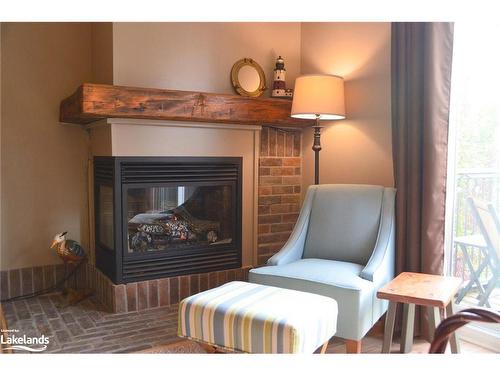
{"type": "Point", "coordinates": [248, 78]}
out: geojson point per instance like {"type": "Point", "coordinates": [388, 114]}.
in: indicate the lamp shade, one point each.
{"type": "Point", "coordinates": [319, 94]}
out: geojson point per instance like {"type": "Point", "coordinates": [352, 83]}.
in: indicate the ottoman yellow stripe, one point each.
{"type": "Point", "coordinates": [200, 302]}
{"type": "Point", "coordinates": [234, 311]}
{"type": "Point", "coordinates": [208, 311]}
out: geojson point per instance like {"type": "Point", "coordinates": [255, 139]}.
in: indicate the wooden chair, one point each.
{"type": "Point", "coordinates": [454, 322]}
{"type": "Point", "coordinates": [489, 225]}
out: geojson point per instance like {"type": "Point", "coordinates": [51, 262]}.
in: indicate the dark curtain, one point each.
{"type": "Point", "coordinates": [421, 74]}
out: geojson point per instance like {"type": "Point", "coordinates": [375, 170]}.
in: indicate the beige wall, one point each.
{"type": "Point", "coordinates": [102, 52]}
{"type": "Point", "coordinates": [199, 56]}
{"type": "Point", "coordinates": [358, 149]}
{"type": "Point", "coordinates": [43, 162]}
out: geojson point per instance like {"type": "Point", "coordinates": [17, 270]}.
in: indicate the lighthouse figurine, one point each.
{"type": "Point", "coordinates": [279, 84]}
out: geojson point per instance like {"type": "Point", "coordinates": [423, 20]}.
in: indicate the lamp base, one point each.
{"type": "Point", "coordinates": [316, 148]}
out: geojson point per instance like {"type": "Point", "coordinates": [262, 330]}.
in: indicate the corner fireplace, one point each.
{"type": "Point", "coordinates": [166, 216]}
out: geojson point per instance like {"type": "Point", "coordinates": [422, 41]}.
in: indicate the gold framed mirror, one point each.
{"type": "Point", "coordinates": [248, 78]}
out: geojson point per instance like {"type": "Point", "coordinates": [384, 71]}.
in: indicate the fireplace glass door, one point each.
{"type": "Point", "coordinates": [179, 217]}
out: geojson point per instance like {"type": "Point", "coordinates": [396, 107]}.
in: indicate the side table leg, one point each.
{"type": "Point", "coordinates": [389, 327]}
{"type": "Point", "coordinates": [408, 323]}
{"type": "Point", "coordinates": [434, 320]}
{"type": "Point", "coordinates": [454, 339]}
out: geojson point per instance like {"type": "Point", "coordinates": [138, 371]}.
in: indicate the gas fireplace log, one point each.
{"type": "Point", "coordinates": [92, 102]}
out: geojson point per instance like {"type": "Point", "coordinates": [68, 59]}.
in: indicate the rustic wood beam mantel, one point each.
{"type": "Point", "coordinates": [93, 102]}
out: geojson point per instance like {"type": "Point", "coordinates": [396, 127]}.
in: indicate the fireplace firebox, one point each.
{"type": "Point", "coordinates": [166, 216]}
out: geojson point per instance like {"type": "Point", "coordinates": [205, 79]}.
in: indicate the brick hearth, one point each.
{"type": "Point", "coordinates": [120, 298]}
{"type": "Point", "coordinates": [149, 294]}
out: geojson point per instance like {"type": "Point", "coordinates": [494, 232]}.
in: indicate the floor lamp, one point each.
{"type": "Point", "coordinates": [318, 97]}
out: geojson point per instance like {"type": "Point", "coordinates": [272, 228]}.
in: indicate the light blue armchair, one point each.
{"type": "Point", "coordinates": [341, 247]}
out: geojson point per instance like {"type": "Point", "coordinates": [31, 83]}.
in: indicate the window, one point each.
{"type": "Point", "coordinates": [474, 167]}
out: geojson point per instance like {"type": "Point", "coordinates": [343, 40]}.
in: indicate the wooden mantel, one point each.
{"type": "Point", "coordinates": [92, 102]}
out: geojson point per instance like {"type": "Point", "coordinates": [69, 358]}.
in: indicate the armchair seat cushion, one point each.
{"type": "Point", "coordinates": [320, 271]}
{"type": "Point", "coordinates": [330, 278]}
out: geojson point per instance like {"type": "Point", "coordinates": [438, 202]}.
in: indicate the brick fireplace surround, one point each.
{"type": "Point", "coordinates": [279, 197]}
{"type": "Point", "coordinates": [280, 180]}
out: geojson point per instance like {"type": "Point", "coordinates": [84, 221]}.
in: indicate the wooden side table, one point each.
{"type": "Point", "coordinates": [410, 289]}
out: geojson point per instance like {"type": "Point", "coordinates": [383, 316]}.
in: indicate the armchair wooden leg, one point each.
{"type": "Point", "coordinates": [353, 346]}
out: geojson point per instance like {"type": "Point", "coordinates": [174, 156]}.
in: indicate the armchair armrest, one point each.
{"type": "Point", "coordinates": [290, 252]}
{"type": "Point", "coordinates": [383, 256]}
{"type": "Point", "coordinates": [294, 247]}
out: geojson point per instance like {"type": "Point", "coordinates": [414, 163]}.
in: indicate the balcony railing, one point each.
{"type": "Point", "coordinates": [484, 185]}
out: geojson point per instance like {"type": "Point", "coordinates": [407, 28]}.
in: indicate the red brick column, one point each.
{"type": "Point", "coordinates": [280, 181]}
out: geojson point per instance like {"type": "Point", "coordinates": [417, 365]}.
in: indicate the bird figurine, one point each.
{"type": "Point", "coordinates": [68, 250]}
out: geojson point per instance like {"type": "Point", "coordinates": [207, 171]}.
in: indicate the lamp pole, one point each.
{"type": "Point", "coordinates": [316, 148]}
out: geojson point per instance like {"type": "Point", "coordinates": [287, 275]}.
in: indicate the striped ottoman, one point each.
{"type": "Point", "coordinates": [253, 318]}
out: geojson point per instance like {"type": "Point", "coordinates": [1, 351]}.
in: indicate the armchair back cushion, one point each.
{"type": "Point", "coordinates": [344, 223]}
